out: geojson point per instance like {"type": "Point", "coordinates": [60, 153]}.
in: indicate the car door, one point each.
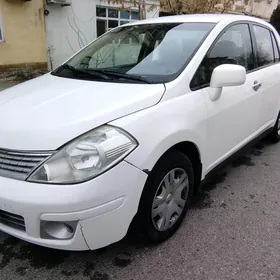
{"type": "Point", "coordinates": [268, 73]}
{"type": "Point", "coordinates": [233, 117]}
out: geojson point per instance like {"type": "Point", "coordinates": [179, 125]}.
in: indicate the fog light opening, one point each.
{"type": "Point", "coordinates": [58, 230]}
{"type": "Point", "coordinates": [69, 228]}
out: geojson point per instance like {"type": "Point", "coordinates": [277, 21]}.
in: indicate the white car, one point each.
{"type": "Point", "coordinates": [127, 129]}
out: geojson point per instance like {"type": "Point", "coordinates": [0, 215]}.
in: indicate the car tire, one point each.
{"type": "Point", "coordinates": [169, 188]}
{"type": "Point", "coordinates": [274, 136]}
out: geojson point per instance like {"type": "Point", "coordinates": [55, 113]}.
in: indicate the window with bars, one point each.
{"type": "Point", "coordinates": [108, 18]}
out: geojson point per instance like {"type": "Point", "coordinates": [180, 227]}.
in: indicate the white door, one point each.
{"type": "Point", "coordinates": [233, 118]}
{"type": "Point", "coordinates": [268, 70]}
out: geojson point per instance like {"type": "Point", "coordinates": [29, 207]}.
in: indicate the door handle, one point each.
{"type": "Point", "coordinates": [256, 86]}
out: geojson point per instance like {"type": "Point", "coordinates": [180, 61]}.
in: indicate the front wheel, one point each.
{"type": "Point", "coordinates": [166, 197]}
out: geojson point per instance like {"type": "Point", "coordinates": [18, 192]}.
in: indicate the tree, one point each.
{"type": "Point", "coordinates": [196, 6]}
{"type": "Point", "coordinates": [203, 6]}
{"type": "Point", "coordinates": [142, 5]}
{"type": "Point", "coordinates": [275, 18]}
{"type": "Point", "coordinates": [176, 7]}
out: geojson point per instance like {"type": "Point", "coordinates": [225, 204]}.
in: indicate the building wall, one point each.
{"type": "Point", "coordinates": [24, 43]}
{"type": "Point", "coordinates": [71, 28]}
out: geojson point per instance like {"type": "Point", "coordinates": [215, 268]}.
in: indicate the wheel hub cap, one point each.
{"type": "Point", "coordinates": [170, 199]}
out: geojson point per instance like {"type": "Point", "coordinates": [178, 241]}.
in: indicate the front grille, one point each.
{"type": "Point", "coordinates": [12, 220]}
{"type": "Point", "coordinates": [18, 165]}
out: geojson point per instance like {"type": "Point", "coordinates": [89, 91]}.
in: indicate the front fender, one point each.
{"type": "Point", "coordinates": [147, 155]}
{"type": "Point", "coordinates": [159, 128]}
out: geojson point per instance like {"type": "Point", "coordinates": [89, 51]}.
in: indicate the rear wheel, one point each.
{"type": "Point", "coordinates": [166, 197]}
{"type": "Point", "coordinates": [275, 134]}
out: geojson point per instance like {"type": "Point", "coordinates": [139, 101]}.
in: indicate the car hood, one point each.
{"type": "Point", "coordinates": [47, 112]}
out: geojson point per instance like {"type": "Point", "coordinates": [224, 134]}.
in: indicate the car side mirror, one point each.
{"type": "Point", "coordinates": [226, 75]}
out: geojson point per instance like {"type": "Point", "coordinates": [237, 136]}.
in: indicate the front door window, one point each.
{"type": "Point", "coordinates": [233, 47]}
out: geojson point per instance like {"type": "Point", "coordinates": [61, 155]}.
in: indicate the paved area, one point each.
{"type": "Point", "coordinates": [231, 232]}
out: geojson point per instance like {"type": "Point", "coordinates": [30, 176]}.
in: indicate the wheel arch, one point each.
{"type": "Point", "coordinates": [190, 150]}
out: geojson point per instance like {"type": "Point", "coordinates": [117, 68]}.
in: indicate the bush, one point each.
{"type": "Point", "coordinates": [275, 18]}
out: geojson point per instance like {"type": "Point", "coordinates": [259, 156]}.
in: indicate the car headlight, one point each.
{"type": "Point", "coordinates": [85, 157]}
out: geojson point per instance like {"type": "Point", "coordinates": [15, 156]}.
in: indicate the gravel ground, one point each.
{"type": "Point", "coordinates": [231, 232]}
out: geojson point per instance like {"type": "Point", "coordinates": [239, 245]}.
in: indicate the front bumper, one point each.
{"type": "Point", "coordinates": [103, 207]}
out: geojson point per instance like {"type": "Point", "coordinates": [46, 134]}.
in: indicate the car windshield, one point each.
{"type": "Point", "coordinates": [149, 53]}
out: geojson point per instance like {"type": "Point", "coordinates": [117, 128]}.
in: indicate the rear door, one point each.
{"type": "Point", "coordinates": [268, 74]}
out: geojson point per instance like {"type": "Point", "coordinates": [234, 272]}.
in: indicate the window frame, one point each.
{"type": "Point", "coordinates": [256, 45]}
{"type": "Point", "coordinates": [118, 19]}
{"type": "Point", "coordinates": [224, 30]}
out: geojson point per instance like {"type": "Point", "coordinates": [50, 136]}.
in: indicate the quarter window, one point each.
{"type": "Point", "coordinates": [233, 47]}
{"type": "Point", "coordinates": [108, 18]}
{"type": "Point", "coordinates": [265, 54]}
{"type": "Point", "coordinates": [276, 49]}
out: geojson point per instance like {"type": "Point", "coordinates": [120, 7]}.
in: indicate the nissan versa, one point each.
{"type": "Point", "coordinates": [127, 128]}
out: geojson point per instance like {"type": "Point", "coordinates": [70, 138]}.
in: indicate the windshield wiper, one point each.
{"type": "Point", "coordinates": [124, 76]}
{"type": "Point", "coordinates": [105, 74]}
{"type": "Point", "coordinates": [87, 72]}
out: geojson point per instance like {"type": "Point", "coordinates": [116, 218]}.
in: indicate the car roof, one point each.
{"type": "Point", "coordinates": [210, 18]}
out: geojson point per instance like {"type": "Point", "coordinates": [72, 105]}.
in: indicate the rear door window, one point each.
{"type": "Point", "coordinates": [265, 52]}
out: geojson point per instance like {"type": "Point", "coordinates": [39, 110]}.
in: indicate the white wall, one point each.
{"type": "Point", "coordinates": [69, 29]}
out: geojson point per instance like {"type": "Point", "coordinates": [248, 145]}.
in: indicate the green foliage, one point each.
{"type": "Point", "coordinates": [275, 18]}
